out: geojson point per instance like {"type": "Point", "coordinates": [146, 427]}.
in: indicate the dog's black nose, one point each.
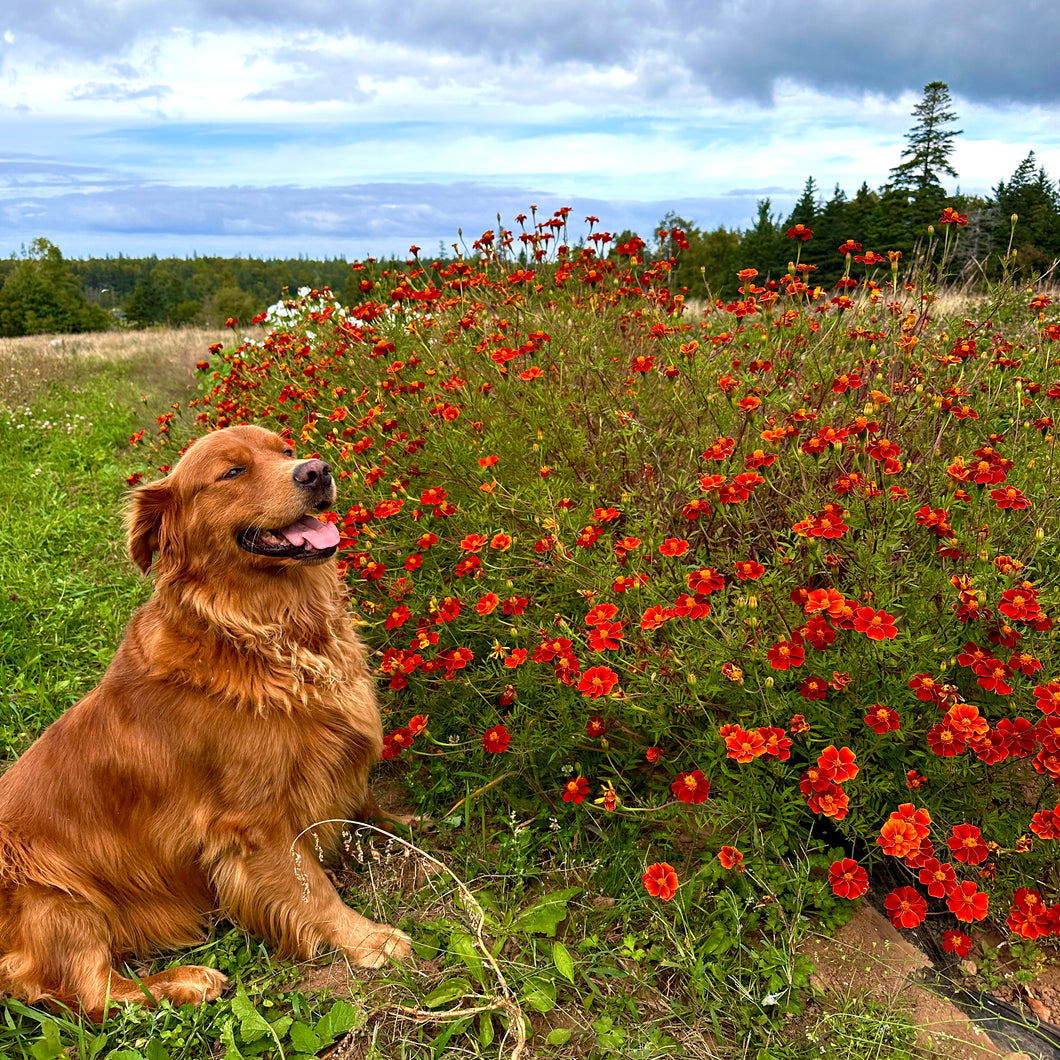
{"type": "Point", "coordinates": [311, 473]}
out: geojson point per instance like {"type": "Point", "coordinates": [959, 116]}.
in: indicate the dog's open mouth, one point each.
{"type": "Point", "coordinates": [306, 539]}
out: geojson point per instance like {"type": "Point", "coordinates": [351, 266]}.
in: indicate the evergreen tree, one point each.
{"type": "Point", "coordinates": [930, 144]}
{"type": "Point", "coordinates": [1035, 199]}
{"type": "Point", "coordinates": [41, 294]}
{"type": "Point", "coordinates": [765, 246]}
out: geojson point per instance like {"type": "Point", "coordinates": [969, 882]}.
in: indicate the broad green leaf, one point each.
{"type": "Point", "coordinates": [540, 994]}
{"type": "Point", "coordinates": [252, 1024]}
{"type": "Point", "coordinates": [447, 992]}
{"type": "Point", "coordinates": [485, 1030]}
{"type": "Point", "coordinates": [304, 1039]}
{"type": "Point", "coordinates": [558, 1036]}
{"type": "Point", "coordinates": [339, 1019]}
{"type": "Point", "coordinates": [463, 945]}
{"type": "Point", "coordinates": [563, 961]}
{"type": "Point", "coordinates": [543, 917]}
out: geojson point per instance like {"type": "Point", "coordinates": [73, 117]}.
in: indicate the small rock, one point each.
{"type": "Point", "coordinates": [970, 967]}
{"type": "Point", "coordinates": [602, 901]}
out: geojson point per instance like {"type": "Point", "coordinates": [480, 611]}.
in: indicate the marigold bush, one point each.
{"type": "Point", "coordinates": [796, 552]}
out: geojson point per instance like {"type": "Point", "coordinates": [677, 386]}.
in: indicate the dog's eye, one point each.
{"type": "Point", "coordinates": [233, 472]}
{"type": "Point", "coordinates": [288, 452]}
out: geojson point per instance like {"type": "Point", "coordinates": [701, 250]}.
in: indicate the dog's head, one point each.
{"type": "Point", "coordinates": [237, 498]}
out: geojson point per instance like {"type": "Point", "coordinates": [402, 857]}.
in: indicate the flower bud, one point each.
{"type": "Point", "coordinates": [768, 682]}
{"type": "Point", "coordinates": [1014, 218]}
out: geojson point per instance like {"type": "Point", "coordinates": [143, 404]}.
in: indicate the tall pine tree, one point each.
{"type": "Point", "coordinates": [927, 156]}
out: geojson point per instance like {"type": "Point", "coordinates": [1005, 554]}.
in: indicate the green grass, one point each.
{"type": "Point", "coordinates": [592, 976]}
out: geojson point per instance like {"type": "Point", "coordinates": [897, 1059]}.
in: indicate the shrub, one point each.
{"type": "Point", "coordinates": [797, 553]}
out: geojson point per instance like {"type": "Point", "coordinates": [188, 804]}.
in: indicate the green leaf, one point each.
{"type": "Point", "coordinates": [558, 1036]}
{"type": "Point", "coordinates": [48, 1046]}
{"type": "Point", "coordinates": [156, 1050]}
{"type": "Point", "coordinates": [543, 917]}
{"type": "Point", "coordinates": [540, 994]}
{"type": "Point", "coordinates": [339, 1019]}
{"type": "Point", "coordinates": [304, 1039]}
{"type": "Point", "coordinates": [485, 1030]}
{"type": "Point", "coordinates": [447, 992]}
{"type": "Point", "coordinates": [252, 1024]}
{"type": "Point", "coordinates": [563, 961]}
{"type": "Point", "coordinates": [463, 945]}
{"type": "Point", "coordinates": [228, 1040]}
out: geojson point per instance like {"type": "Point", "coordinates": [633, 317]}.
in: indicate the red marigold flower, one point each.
{"type": "Point", "coordinates": [841, 762]}
{"type": "Point", "coordinates": [945, 741]}
{"type": "Point", "coordinates": [786, 654]}
{"type": "Point", "coordinates": [966, 902]}
{"type": "Point", "coordinates": [597, 681]}
{"type": "Point", "coordinates": [660, 881]}
{"type": "Point", "coordinates": [595, 726]}
{"type": "Point", "coordinates": [876, 625]}
{"type": "Point", "coordinates": [1048, 697]}
{"type": "Point", "coordinates": [882, 719]}
{"type": "Point", "coordinates": [601, 613]}
{"type": "Point", "coordinates": [848, 879]}
{"type": "Point", "coordinates": [517, 658]}
{"type": "Point", "coordinates": [692, 788]}
{"type": "Point", "coordinates": [575, 790]}
{"type": "Point", "coordinates": [906, 907]}
{"type": "Point", "coordinates": [800, 231]}
{"type": "Point", "coordinates": [398, 616]}
{"type": "Point", "coordinates": [1046, 823]}
{"type": "Point", "coordinates": [778, 743]}
{"type": "Point", "coordinates": [798, 725]}
{"type": "Point", "coordinates": [951, 217]}
{"type": "Point", "coordinates": [957, 942]}
{"type": "Point", "coordinates": [1010, 498]}
{"type": "Point", "coordinates": [606, 636]}
{"type": "Point", "coordinates": [939, 879]}
{"type": "Point", "coordinates": [417, 724]}
{"type": "Point", "coordinates": [674, 546]}
{"type": "Point", "coordinates": [914, 780]}
{"type": "Point", "coordinates": [926, 687]}
{"type": "Point", "coordinates": [496, 740]}
{"type": "Point", "coordinates": [749, 569]}
{"type": "Point", "coordinates": [654, 617]}
{"type": "Point", "coordinates": [814, 688]}
{"type": "Point", "coordinates": [967, 844]}
{"type": "Point", "coordinates": [830, 600]}
{"type": "Point", "coordinates": [706, 580]}
{"type": "Point", "coordinates": [653, 754]}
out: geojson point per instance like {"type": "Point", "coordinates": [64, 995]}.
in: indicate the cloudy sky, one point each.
{"type": "Point", "coordinates": [343, 127]}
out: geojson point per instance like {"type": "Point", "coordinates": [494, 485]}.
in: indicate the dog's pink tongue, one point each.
{"type": "Point", "coordinates": [319, 535]}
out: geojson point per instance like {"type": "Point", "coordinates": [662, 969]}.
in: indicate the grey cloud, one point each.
{"type": "Point", "coordinates": [736, 49]}
{"type": "Point", "coordinates": [352, 221]}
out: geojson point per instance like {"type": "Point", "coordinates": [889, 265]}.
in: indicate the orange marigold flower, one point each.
{"type": "Point", "coordinates": [673, 546]}
{"type": "Point", "coordinates": [876, 625]}
{"type": "Point", "coordinates": [660, 881]}
{"type": "Point", "coordinates": [898, 838]}
{"type": "Point", "coordinates": [745, 746]}
{"type": "Point", "coordinates": [731, 858]}
{"type": "Point", "coordinates": [417, 724]}
{"type": "Point", "coordinates": [840, 762]}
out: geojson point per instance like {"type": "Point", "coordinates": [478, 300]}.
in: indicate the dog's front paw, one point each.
{"type": "Point", "coordinates": [380, 946]}
{"type": "Point", "coordinates": [189, 983]}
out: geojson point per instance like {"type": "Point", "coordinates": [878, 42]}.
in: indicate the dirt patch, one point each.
{"type": "Point", "coordinates": [869, 958]}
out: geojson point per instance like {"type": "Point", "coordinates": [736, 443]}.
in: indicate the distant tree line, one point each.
{"type": "Point", "coordinates": [40, 291]}
{"type": "Point", "coordinates": [894, 217]}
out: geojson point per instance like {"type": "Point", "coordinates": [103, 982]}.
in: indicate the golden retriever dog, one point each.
{"type": "Point", "coordinates": [237, 712]}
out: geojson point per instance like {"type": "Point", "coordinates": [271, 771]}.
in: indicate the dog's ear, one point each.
{"type": "Point", "coordinates": [150, 508]}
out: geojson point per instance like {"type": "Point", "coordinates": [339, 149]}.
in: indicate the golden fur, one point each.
{"type": "Point", "coordinates": [237, 712]}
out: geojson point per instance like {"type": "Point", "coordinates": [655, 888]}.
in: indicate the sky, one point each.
{"type": "Point", "coordinates": [274, 128]}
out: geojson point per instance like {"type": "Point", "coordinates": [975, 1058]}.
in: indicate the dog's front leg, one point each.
{"type": "Point", "coordinates": [290, 902]}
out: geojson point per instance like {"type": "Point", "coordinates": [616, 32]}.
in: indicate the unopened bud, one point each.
{"type": "Point", "coordinates": [1014, 218]}
{"type": "Point", "coordinates": [931, 230]}
{"type": "Point", "coordinates": [768, 682]}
